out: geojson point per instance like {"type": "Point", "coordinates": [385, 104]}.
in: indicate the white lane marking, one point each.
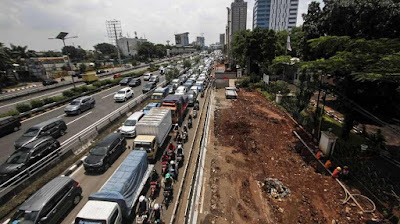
{"type": "Point", "coordinates": [60, 116]}
{"type": "Point", "coordinates": [79, 118]}
{"type": "Point", "coordinates": [108, 95]}
{"type": "Point", "coordinates": [42, 114]}
{"type": "Point", "coordinates": [76, 171]}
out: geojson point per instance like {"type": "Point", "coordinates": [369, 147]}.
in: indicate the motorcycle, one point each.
{"type": "Point", "coordinates": [202, 94]}
{"type": "Point", "coordinates": [185, 136]}
{"type": "Point", "coordinates": [190, 123]}
{"type": "Point", "coordinates": [194, 113]}
{"type": "Point", "coordinates": [179, 155]}
{"type": "Point", "coordinates": [154, 186]}
{"type": "Point", "coordinates": [167, 197]}
{"type": "Point", "coordinates": [140, 219]}
{"type": "Point", "coordinates": [164, 168]}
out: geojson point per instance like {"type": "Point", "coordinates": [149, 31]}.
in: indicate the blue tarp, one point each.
{"type": "Point", "coordinates": [123, 185]}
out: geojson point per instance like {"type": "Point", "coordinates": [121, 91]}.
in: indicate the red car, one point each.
{"type": "Point", "coordinates": [116, 76]}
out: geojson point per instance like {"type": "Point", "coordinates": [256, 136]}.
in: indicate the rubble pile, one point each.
{"type": "Point", "coordinates": [275, 188]}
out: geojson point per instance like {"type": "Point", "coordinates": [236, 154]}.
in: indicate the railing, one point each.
{"type": "Point", "coordinates": [75, 142]}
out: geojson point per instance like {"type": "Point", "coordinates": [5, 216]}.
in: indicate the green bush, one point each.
{"type": "Point", "coordinates": [96, 84]}
{"type": "Point", "coordinates": [59, 98]}
{"type": "Point", "coordinates": [134, 63]}
{"type": "Point", "coordinates": [23, 107]}
{"type": "Point", "coordinates": [37, 103]}
{"type": "Point", "coordinates": [82, 89]}
{"type": "Point", "coordinates": [48, 100]}
{"type": "Point", "coordinates": [9, 113]}
{"type": "Point", "coordinates": [68, 93]}
{"type": "Point", "coordinates": [244, 83]}
{"type": "Point", "coordinates": [257, 85]}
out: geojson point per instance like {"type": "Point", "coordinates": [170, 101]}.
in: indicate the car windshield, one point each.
{"type": "Point", "coordinates": [75, 102]}
{"type": "Point", "coordinates": [142, 145]}
{"type": "Point", "coordinates": [125, 80]}
{"type": "Point", "coordinates": [17, 157]}
{"type": "Point", "coordinates": [89, 221]}
{"type": "Point", "coordinates": [148, 85]}
{"type": "Point", "coordinates": [24, 217]}
{"type": "Point", "coordinates": [130, 123]}
{"type": "Point", "coordinates": [99, 151]}
{"type": "Point", "coordinates": [121, 92]}
{"type": "Point", "coordinates": [31, 132]}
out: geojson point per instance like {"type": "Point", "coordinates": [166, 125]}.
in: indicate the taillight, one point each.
{"type": "Point", "coordinates": [77, 184]}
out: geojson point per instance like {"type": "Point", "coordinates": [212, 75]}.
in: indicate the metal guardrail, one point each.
{"type": "Point", "coordinates": [75, 142]}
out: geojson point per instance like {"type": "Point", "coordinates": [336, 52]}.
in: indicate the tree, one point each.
{"type": "Point", "coordinates": [106, 49]}
{"type": "Point", "coordinates": [74, 53]}
{"type": "Point", "coordinates": [146, 50]}
{"type": "Point", "coordinates": [82, 68]}
{"type": "Point", "coordinates": [5, 60]}
{"type": "Point", "coordinates": [171, 74]}
{"type": "Point", "coordinates": [187, 64]}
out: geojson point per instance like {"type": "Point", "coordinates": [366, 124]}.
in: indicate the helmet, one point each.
{"type": "Point", "coordinates": [345, 167]}
{"type": "Point", "coordinates": [167, 175]}
{"type": "Point", "coordinates": [338, 168]}
{"type": "Point", "coordinates": [156, 206]}
{"type": "Point", "coordinates": [141, 198]}
{"type": "Point", "coordinates": [172, 162]}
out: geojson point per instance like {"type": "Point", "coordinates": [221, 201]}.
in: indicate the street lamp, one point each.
{"type": "Point", "coordinates": [62, 36]}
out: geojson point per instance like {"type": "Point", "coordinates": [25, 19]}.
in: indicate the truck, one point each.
{"type": "Point", "coordinates": [89, 78]}
{"type": "Point", "coordinates": [159, 94]}
{"type": "Point", "coordinates": [152, 130]}
{"type": "Point", "coordinates": [117, 198]}
{"type": "Point", "coordinates": [178, 105]}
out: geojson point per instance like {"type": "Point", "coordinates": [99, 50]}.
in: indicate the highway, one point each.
{"type": "Point", "coordinates": [104, 105]}
{"type": "Point", "coordinates": [92, 183]}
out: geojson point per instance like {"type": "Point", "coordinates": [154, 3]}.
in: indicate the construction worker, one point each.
{"type": "Point", "coordinates": [319, 155]}
{"type": "Point", "coordinates": [345, 172]}
{"type": "Point", "coordinates": [328, 164]}
{"type": "Point", "coordinates": [336, 172]}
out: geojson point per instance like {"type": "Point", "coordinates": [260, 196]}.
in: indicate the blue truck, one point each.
{"type": "Point", "coordinates": [116, 199]}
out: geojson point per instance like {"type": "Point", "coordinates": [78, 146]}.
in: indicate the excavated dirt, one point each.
{"type": "Point", "coordinates": [252, 140]}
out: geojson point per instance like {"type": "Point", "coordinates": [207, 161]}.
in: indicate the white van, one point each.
{"type": "Point", "coordinates": [128, 129]}
{"type": "Point", "coordinates": [105, 212]}
{"type": "Point", "coordinates": [146, 76]}
{"type": "Point", "coordinates": [123, 94]}
{"type": "Point", "coordinates": [181, 90]}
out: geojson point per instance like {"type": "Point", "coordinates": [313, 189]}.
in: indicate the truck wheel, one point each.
{"type": "Point", "coordinates": [62, 132]}
{"type": "Point", "coordinates": [106, 166]}
{"type": "Point", "coordinates": [16, 128]}
{"type": "Point", "coordinates": [77, 199]}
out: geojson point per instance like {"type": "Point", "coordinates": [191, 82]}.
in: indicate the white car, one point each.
{"type": "Point", "coordinates": [146, 76]}
{"type": "Point", "coordinates": [128, 129]}
{"type": "Point", "coordinates": [123, 94]}
{"type": "Point", "coordinates": [195, 89]}
{"type": "Point", "coordinates": [181, 90]}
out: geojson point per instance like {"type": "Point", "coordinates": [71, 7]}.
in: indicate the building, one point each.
{"type": "Point", "coordinates": [129, 46]}
{"type": "Point", "coordinates": [238, 16]}
{"type": "Point", "coordinates": [200, 41]}
{"type": "Point", "coordinates": [222, 39]}
{"type": "Point", "coordinates": [182, 39]}
{"type": "Point", "coordinates": [181, 50]}
{"type": "Point", "coordinates": [275, 14]}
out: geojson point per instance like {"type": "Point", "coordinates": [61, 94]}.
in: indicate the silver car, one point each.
{"type": "Point", "coordinates": [79, 105]}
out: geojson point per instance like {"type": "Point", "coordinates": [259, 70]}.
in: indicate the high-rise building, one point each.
{"type": "Point", "coordinates": [182, 39]}
{"type": "Point", "coordinates": [275, 14]}
{"type": "Point", "coordinates": [200, 41]}
{"type": "Point", "coordinates": [238, 16]}
{"type": "Point", "coordinates": [222, 39]}
{"type": "Point", "coordinates": [129, 46]}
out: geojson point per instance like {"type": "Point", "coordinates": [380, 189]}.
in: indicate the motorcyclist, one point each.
{"type": "Point", "coordinates": [171, 147]}
{"type": "Point", "coordinates": [185, 129]}
{"type": "Point", "coordinates": [179, 150]}
{"type": "Point", "coordinates": [179, 138]}
{"type": "Point", "coordinates": [156, 215]}
{"type": "Point", "coordinates": [168, 182]}
{"type": "Point", "coordinates": [143, 207]}
{"type": "Point", "coordinates": [185, 136]}
{"type": "Point", "coordinates": [154, 176]}
{"type": "Point", "coordinates": [172, 170]}
{"type": "Point", "coordinates": [171, 155]}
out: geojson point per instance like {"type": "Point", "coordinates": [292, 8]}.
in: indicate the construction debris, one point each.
{"type": "Point", "coordinates": [274, 187]}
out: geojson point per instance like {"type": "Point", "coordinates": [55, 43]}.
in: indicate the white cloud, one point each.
{"type": "Point", "coordinates": [32, 22]}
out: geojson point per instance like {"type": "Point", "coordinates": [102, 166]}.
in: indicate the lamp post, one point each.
{"type": "Point", "coordinates": [62, 36]}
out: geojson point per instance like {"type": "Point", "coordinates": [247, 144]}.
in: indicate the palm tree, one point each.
{"type": "Point", "coordinates": [5, 60]}
{"type": "Point", "coordinates": [18, 52]}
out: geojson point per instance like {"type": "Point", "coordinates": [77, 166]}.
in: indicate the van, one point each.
{"type": "Point", "coordinates": [55, 127]}
{"type": "Point", "coordinates": [128, 129]}
{"type": "Point", "coordinates": [159, 94]}
{"type": "Point", "coordinates": [51, 203]}
{"type": "Point", "coordinates": [181, 90]}
{"type": "Point", "coordinates": [9, 124]}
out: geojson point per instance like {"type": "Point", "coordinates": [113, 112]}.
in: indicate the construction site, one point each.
{"type": "Point", "coordinates": [261, 168]}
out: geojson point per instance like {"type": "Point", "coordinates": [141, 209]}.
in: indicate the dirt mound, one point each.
{"type": "Point", "coordinates": [253, 141]}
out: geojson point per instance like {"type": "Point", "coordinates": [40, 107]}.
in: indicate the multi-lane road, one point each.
{"type": "Point", "coordinates": [104, 105]}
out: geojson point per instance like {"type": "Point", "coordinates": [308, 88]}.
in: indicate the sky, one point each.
{"type": "Point", "coordinates": [32, 22]}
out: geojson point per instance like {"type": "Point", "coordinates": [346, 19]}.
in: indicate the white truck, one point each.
{"type": "Point", "coordinates": [116, 199]}
{"type": "Point", "coordinates": [152, 130]}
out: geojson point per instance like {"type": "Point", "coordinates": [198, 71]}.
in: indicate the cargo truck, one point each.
{"type": "Point", "coordinates": [178, 105]}
{"type": "Point", "coordinates": [159, 94]}
{"type": "Point", "coordinates": [152, 130]}
{"type": "Point", "coordinates": [116, 199]}
{"type": "Point", "coordinates": [89, 78]}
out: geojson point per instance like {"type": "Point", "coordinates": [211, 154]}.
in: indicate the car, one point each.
{"type": "Point", "coordinates": [146, 76]}
{"type": "Point", "coordinates": [200, 85]}
{"type": "Point", "coordinates": [149, 86]}
{"type": "Point", "coordinates": [54, 127]}
{"type": "Point", "coordinates": [101, 72]}
{"type": "Point", "coordinates": [9, 124]}
{"type": "Point", "coordinates": [51, 203]}
{"type": "Point", "coordinates": [125, 81]}
{"type": "Point", "coordinates": [171, 89]}
{"type": "Point", "coordinates": [123, 94]}
{"type": "Point", "coordinates": [103, 155]}
{"type": "Point", "coordinates": [135, 82]}
{"type": "Point", "coordinates": [176, 83]}
{"type": "Point", "coordinates": [188, 84]}
{"type": "Point", "coordinates": [116, 76]}
{"type": "Point", "coordinates": [195, 89]}
{"type": "Point", "coordinates": [148, 107]}
{"type": "Point", "coordinates": [78, 105]}
{"type": "Point", "coordinates": [154, 78]}
{"type": "Point", "coordinates": [128, 129]}
{"type": "Point", "coordinates": [181, 90]}
{"type": "Point", "coordinates": [27, 155]}
{"type": "Point", "coordinates": [48, 82]}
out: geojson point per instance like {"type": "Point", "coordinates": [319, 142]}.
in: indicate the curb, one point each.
{"type": "Point", "coordinates": [17, 89]}
{"type": "Point", "coordinates": [77, 164]}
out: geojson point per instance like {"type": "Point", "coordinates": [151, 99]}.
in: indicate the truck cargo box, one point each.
{"type": "Point", "coordinates": [124, 185]}
{"type": "Point", "coordinates": [156, 123]}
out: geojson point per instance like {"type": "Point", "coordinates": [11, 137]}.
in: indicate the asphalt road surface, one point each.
{"type": "Point", "coordinates": [104, 105]}
{"type": "Point", "coordinates": [92, 183]}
